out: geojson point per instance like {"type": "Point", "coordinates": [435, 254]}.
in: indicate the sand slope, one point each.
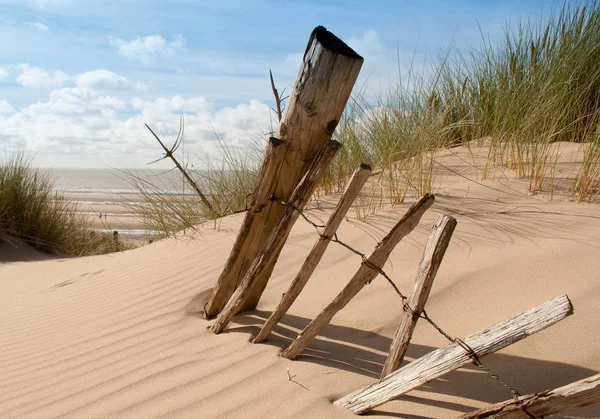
{"type": "Point", "coordinates": [120, 336]}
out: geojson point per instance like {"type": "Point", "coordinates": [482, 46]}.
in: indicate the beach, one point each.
{"type": "Point", "coordinates": [109, 199]}
{"type": "Point", "coordinates": [121, 335]}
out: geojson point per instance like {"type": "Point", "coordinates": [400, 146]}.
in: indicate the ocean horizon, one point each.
{"type": "Point", "coordinates": [117, 181]}
{"type": "Point", "coordinates": [109, 197]}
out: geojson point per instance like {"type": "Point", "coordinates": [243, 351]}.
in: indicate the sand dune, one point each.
{"type": "Point", "coordinates": [120, 336]}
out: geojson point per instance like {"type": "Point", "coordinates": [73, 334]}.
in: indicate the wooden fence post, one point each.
{"type": "Point", "coordinates": [356, 183]}
{"type": "Point", "coordinates": [577, 394]}
{"type": "Point", "coordinates": [324, 83]}
{"type": "Point", "coordinates": [270, 251]}
{"type": "Point", "coordinates": [432, 258]}
{"type": "Point", "coordinates": [365, 274]}
{"type": "Point", "coordinates": [451, 357]}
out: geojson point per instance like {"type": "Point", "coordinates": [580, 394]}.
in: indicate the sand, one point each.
{"type": "Point", "coordinates": [120, 336]}
{"type": "Point", "coordinates": [121, 214]}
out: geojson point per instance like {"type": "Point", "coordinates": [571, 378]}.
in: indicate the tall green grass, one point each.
{"type": "Point", "coordinates": [32, 212]}
{"type": "Point", "coordinates": [228, 185]}
{"type": "Point", "coordinates": [538, 86]}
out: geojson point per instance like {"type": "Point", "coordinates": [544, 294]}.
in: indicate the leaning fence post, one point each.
{"type": "Point", "coordinates": [415, 304]}
{"type": "Point", "coordinates": [577, 394]}
{"type": "Point", "coordinates": [369, 269]}
{"type": "Point", "coordinates": [270, 251]}
{"type": "Point", "coordinates": [451, 357]}
{"type": "Point", "coordinates": [356, 183]}
{"type": "Point", "coordinates": [326, 78]}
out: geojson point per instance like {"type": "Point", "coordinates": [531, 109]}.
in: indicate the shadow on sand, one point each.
{"type": "Point", "coordinates": [363, 352]}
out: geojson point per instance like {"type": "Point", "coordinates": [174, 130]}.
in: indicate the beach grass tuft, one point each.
{"type": "Point", "coordinates": [32, 212]}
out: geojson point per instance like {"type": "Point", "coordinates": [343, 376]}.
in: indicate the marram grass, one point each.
{"type": "Point", "coordinates": [32, 212]}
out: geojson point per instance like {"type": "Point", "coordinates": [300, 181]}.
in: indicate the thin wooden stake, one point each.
{"type": "Point", "coordinates": [451, 357]}
{"type": "Point", "coordinates": [324, 83]}
{"type": "Point", "coordinates": [356, 183]}
{"type": "Point", "coordinates": [432, 258]}
{"type": "Point", "coordinates": [169, 153]}
{"type": "Point", "coordinates": [270, 251]}
{"type": "Point", "coordinates": [577, 394]}
{"type": "Point", "coordinates": [365, 274]}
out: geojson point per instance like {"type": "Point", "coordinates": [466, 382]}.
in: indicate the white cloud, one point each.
{"type": "Point", "coordinates": [369, 46]}
{"type": "Point", "coordinates": [5, 107]}
{"type": "Point", "coordinates": [79, 126]}
{"type": "Point", "coordinates": [101, 79]}
{"type": "Point", "coordinates": [39, 77]}
{"type": "Point", "coordinates": [295, 59]}
{"type": "Point", "coordinates": [382, 65]}
{"type": "Point", "coordinates": [39, 26]}
{"type": "Point", "coordinates": [3, 73]}
{"type": "Point", "coordinates": [146, 49]}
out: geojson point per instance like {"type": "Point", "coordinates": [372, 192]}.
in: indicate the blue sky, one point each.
{"type": "Point", "coordinates": [79, 78]}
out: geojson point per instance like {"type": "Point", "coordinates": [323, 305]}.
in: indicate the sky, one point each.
{"type": "Point", "coordinates": [79, 78]}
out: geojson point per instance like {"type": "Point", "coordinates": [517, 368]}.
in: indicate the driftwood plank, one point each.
{"type": "Point", "coordinates": [577, 394]}
{"type": "Point", "coordinates": [322, 88]}
{"type": "Point", "coordinates": [432, 258]}
{"type": "Point", "coordinates": [451, 357]}
{"type": "Point", "coordinates": [365, 274]}
{"type": "Point", "coordinates": [270, 251]}
{"type": "Point", "coordinates": [356, 183]}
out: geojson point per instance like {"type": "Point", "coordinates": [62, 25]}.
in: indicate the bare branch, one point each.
{"type": "Point", "coordinates": [278, 99]}
{"type": "Point", "coordinates": [169, 153]}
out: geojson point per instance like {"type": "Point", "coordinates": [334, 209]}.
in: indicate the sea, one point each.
{"type": "Point", "coordinates": [110, 196]}
{"type": "Point", "coordinates": [115, 181]}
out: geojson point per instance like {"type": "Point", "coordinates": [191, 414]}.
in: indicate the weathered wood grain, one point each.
{"type": "Point", "coordinates": [577, 394]}
{"type": "Point", "coordinates": [365, 274]}
{"type": "Point", "coordinates": [270, 250]}
{"type": "Point", "coordinates": [451, 357]}
{"type": "Point", "coordinates": [432, 258]}
{"type": "Point", "coordinates": [322, 88]}
{"type": "Point", "coordinates": [356, 183]}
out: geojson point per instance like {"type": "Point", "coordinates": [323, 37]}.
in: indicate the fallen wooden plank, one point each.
{"type": "Point", "coordinates": [432, 258]}
{"type": "Point", "coordinates": [356, 183]}
{"type": "Point", "coordinates": [365, 274]}
{"type": "Point", "coordinates": [270, 251]}
{"type": "Point", "coordinates": [327, 75]}
{"type": "Point", "coordinates": [577, 394]}
{"type": "Point", "coordinates": [451, 357]}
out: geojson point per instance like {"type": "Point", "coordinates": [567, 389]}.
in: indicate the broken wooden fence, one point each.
{"type": "Point", "coordinates": [303, 151]}
{"type": "Point", "coordinates": [326, 78]}
{"type": "Point", "coordinates": [368, 270]}
{"type": "Point", "coordinates": [441, 361]}
{"type": "Point", "coordinates": [270, 250]}
{"type": "Point", "coordinates": [356, 183]}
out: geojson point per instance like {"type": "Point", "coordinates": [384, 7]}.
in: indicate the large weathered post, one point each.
{"type": "Point", "coordinates": [279, 235]}
{"type": "Point", "coordinates": [324, 83]}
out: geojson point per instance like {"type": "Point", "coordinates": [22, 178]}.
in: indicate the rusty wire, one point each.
{"type": "Point", "coordinates": [406, 307]}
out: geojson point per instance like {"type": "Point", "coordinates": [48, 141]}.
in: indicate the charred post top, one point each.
{"type": "Point", "coordinates": [332, 43]}
{"type": "Point", "coordinates": [365, 166]}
